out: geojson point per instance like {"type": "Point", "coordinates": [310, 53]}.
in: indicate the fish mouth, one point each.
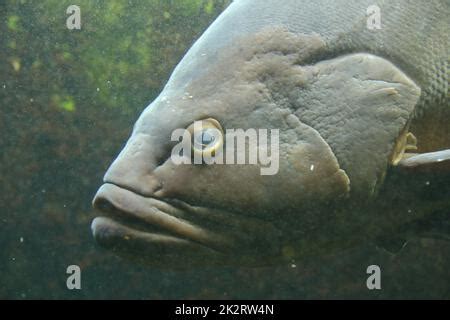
{"type": "Point", "coordinates": [149, 228]}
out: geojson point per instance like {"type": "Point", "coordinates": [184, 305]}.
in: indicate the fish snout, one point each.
{"type": "Point", "coordinates": [134, 168]}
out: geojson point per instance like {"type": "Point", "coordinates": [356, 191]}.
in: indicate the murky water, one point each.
{"type": "Point", "coordinates": [69, 99]}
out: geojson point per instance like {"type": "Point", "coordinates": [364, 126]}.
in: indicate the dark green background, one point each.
{"type": "Point", "coordinates": [68, 101]}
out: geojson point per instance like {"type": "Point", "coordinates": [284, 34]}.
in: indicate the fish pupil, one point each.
{"type": "Point", "coordinates": [206, 138]}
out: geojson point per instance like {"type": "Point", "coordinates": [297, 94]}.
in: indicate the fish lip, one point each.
{"type": "Point", "coordinates": [150, 248]}
{"type": "Point", "coordinates": [123, 209]}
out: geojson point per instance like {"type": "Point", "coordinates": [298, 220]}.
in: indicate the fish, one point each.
{"type": "Point", "coordinates": [363, 122]}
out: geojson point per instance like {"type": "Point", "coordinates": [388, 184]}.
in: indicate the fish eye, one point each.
{"type": "Point", "coordinates": [207, 137]}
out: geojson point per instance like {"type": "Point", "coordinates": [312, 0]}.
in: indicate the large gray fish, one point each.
{"type": "Point", "coordinates": [362, 107]}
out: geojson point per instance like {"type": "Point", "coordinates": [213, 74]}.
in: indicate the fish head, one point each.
{"type": "Point", "coordinates": [163, 212]}
{"type": "Point", "coordinates": [231, 212]}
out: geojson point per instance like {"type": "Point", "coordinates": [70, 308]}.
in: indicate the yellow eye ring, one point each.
{"type": "Point", "coordinates": [207, 137]}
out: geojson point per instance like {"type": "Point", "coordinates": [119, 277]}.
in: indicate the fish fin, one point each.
{"type": "Point", "coordinates": [434, 161]}
{"type": "Point", "coordinates": [405, 142]}
{"type": "Point", "coordinates": [393, 245]}
{"type": "Point", "coordinates": [435, 226]}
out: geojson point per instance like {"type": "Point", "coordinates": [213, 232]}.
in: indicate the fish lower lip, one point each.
{"type": "Point", "coordinates": [108, 231]}
{"type": "Point", "coordinates": [153, 248]}
{"type": "Point", "coordinates": [131, 216]}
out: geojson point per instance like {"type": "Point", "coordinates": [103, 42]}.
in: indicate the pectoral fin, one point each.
{"type": "Point", "coordinates": [434, 226]}
{"type": "Point", "coordinates": [434, 161]}
{"type": "Point", "coordinates": [391, 245]}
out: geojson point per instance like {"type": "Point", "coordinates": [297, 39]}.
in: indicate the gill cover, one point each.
{"type": "Point", "coordinates": [360, 104]}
